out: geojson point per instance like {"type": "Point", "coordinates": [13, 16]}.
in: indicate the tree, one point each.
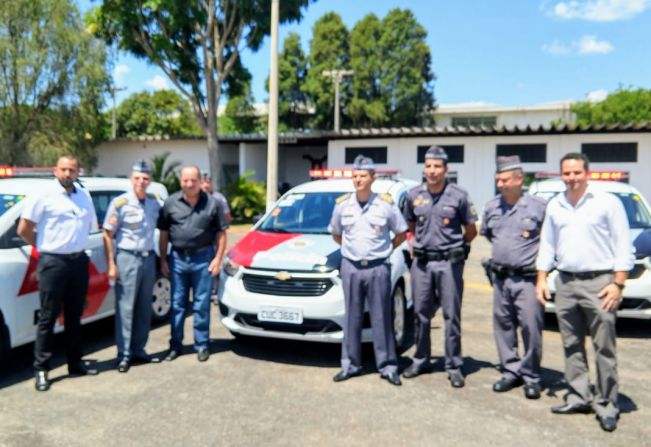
{"type": "Point", "coordinates": [165, 173]}
{"type": "Point", "coordinates": [195, 43]}
{"type": "Point", "coordinates": [293, 106]}
{"type": "Point", "coordinates": [328, 51]}
{"type": "Point", "coordinates": [52, 79]}
{"type": "Point", "coordinates": [163, 112]}
{"type": "Point", "coordinates": [623, 106]}
{"type": "Point", "coordinates": [239, 115]}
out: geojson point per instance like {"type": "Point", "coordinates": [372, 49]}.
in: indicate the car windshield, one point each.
{"type": "Point", "coordinates": [301, 213]}
{"type": "Point", "coordinates": [638, 214]}
{"type": "Point", "coordinates": [7, 201]}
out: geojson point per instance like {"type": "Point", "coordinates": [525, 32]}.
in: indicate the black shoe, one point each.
{"type": "Point", "coordinates": [172, 355]}
{"type": "Point", "coordinates": [572, 409]}
{"type": "Point", "coordinates": [203, 355]}
{"type": "Point", "coordinates": [607, 423]}
{"type": "Point", "coordinates": [506, 384]}
{"type": "Point", "coordinates": [392, 377]}
{"type": "Point", "coordinates": [345, 375]}
{"type": "Point", "coordinates": [124, 365]}
{"type": "Point", "coordinates": [456, 380]}
{"type": "Point", "coordinates": [144, 359]}
{"type": "Point", "coordinates": [412, 371]}
{"type": "Point", "coordinates": [81, 370]}
{"type": "Point", "coordinates": [42, 381]}
{"type": "Point", "coordinates": [532, 391]}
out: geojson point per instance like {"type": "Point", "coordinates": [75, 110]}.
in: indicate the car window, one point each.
{"type": "Point", "coordinates": [302, 213]}
{"type": "Point", "coordinates": [637, 213]}
{"type": "Point", "coordinates": [10, 238]}
{"type": "Point", "coordinates": [9, 200]}
{"type": "Point", "coordinates": [101, 201]}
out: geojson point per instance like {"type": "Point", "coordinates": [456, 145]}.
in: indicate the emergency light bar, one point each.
{"type": "Point", "coordinates": [619, 176]}
{"type": "Point", "coordinates": [10, 171]}
{"type": "Point", "coordinates": [348, 173]}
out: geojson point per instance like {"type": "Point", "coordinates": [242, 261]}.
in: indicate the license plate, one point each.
{"type": "Point", "coordinates": [280, 314]}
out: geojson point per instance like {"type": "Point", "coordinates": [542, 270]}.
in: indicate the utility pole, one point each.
{"type": "Point", "coordinates": [114, 124]}
{"type": "Point", "coordinates": [272, 136]}
{"type": "Point", "coordinates": [337, 76]}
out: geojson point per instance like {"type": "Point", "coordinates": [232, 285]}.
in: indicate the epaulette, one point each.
{"type": "Point", "coordinates": [387, 198]}
{"type": "Point", "coordinates": [342, 198]}
{"type": "Point", "coordinates": [119, 203]}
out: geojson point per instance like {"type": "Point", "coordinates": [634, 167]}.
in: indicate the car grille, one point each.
{"type": "Point", "coordinates": [638, 270]}
{"type": "Point", "coordinates": [313, 325]}
{"type": "Point", "coordinates": [270, 285]}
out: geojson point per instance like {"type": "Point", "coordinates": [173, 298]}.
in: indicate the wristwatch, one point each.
{"type": "Point", "coordinates": [619, 285]}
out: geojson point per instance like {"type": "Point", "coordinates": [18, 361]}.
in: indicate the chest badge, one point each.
{"type": "Point", "coordinates": [526, 234]}
{"type": "Point", "coordinates": [446, 221]}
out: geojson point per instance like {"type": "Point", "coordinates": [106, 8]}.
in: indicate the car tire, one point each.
{"type": "Point", "coordinates": [5, 345]}
{"type": "Point", "coordinates": [161, 300]}
{"type": "Point", "coordinates": [401, 318]}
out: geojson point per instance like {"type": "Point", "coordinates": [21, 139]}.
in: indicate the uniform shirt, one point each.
{"type": "Point", "coordinates": [62, 220]}
{"type": "Point", "coordinates": [191, 228]}
{"type": "Point", "coordinates": [365, 230]}
{"type": "Point", "coordinates": [439, 217]}
{"type": "Point", "coordinates": [592, 236]}
{"type": "Point", "coordinates": [514, 230]}
{"type": "Point", "coordinates": [133, 221]}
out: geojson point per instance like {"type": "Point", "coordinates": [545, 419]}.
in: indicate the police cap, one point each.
{"type": "Point", "coordinates": [436, 153]}
{"type": "Point", "coordinates": [508, 163]}
{"type": "Point", "coordinates": [365, 163]}
{"type": "Point", "coordinates": [142, 166]}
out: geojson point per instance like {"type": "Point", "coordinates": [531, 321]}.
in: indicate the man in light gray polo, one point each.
{"type": "Point", "coordinates": [585, 236]}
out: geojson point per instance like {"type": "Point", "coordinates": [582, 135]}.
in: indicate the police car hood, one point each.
{"type": "Point", "coordinates": [287, 251]}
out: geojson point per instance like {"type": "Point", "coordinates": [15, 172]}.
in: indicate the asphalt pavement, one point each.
{"type": "Point", "coordinates": [275, 392]}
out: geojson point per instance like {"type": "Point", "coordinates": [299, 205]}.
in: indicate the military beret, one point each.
{"type": "Point", "coordinates": [508, 163]}
{"type": "Point", "coordinates": [436, 153]}
{"type": "Point", "coordinates": [365, 163]}
{"type": "Point", "coordinates": [142, 166]}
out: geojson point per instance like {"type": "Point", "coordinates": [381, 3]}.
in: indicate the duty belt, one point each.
{"type": "Point", "coordinates": [585, 275]}
{"type": "Point", "coordinates": [503, 271]}
{"type": "Point", "coordinates": [367, 263]}
{"type": "Point", "coordinates": [141, 253]}
{"type": "Point", "coordinates": [453, 255]}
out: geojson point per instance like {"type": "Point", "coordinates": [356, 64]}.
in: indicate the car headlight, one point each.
{"type": "Point", "coordinates": [230, 267]}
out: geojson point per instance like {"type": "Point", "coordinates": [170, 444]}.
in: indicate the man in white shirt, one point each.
{"type": "Point", "coordinates": [57, 223]}
{"type": "Point", "coordinates": [585, 236]}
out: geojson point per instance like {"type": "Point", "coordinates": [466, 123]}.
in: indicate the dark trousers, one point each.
{"type": "Point", "coordinates": [63, 281]}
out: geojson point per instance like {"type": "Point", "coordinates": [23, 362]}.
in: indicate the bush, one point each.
{"type": "Point", "coordinates": [247, 197]}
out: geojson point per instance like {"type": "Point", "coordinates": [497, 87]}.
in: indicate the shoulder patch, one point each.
{"type": "Point", "coordinates": [342, 198]}
{"type": "Point", "coordinates": [387, 198]}
{"type": "Point", "coordinates": [120, 202]}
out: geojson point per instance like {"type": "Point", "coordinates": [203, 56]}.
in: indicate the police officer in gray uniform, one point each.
{"type": "Point", "coordinates": [131, 220]}
{"type": "Point", "coordinates": [442, 219]}
{"type": "Point", "coordinates": [361, 223]}
{"type": "Point", "coordinates": [512, 222]}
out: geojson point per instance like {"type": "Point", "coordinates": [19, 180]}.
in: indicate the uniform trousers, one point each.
{"type": "Point", "coordinates": [515, 305]}
{"type": "Point", "coordinates": [579, 312]}
{"type": "Point", "coordinates": [438, 284]}
{"type": "Point", "coordinates": [63, 281]}
{"type": "Point", "coordinates": [133, 302]}
{"type": "Point", "coordinates": [371, 284]}
{"type": "Point", "coordinates": [190, 272]}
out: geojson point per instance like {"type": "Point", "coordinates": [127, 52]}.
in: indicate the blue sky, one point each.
{"type": "Point", "coordinates": [507, 52]}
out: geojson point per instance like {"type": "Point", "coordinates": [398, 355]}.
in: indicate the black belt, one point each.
{"type": "Point", "coordinates": [503, 271]}
{"type": "Point", "coordinates": [73, 255]}
{"type": "Point", "coordinates": [367, 263]}
{"type": "Point", "coordinates": [141, 253]}
{"type": "Point", "coordinates": [585, 275]}
{"type": "Point", "coordinates": [454, 254]}
{"type": "Point", "coordinates": [191, 251]}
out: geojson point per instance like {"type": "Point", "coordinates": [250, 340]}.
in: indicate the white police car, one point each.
{"type": "Point", "coordinates": [282, 279]}
{"type": "Point", "coordinates": [19, 301]}
{"type": "Point", "coordinates": [636, 301]}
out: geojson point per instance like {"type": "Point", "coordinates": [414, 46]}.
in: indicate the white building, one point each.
{"type": "Point", "coordinates": [489, 115]}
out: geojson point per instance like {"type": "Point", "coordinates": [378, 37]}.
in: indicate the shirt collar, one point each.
{"type": "Point", "coordinates": [61, 189]}
{"type": "Point", "coordinates": [588, 194]}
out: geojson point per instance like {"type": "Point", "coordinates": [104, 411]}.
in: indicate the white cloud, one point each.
{"type": "Point", "coordinates": [157, 83]}
{"type": "Point", "coordinates": [591, 45]}
{"type": "Point", "coordinates": [600, 10]}
{"type": "Point", "coordinates": [597, 95]}
{"type": "Point", "coordinates": [119, 71]}
{"type": "Point", "coordinates": [585, 46]}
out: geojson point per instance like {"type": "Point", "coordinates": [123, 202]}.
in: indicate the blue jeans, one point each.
{"type": "Point", "coordinates": [191, 271]}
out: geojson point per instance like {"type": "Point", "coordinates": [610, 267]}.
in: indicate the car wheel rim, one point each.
{"type": "Point", "coordinates": [161, 297]}
{"type": "Point", "coordinates": [399, 314]}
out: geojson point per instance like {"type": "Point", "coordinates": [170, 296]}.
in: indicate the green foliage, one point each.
{"type": "Point", "coordinates": [166, 174]}
{"type": "Point", "coordinates": [163, 112]}
{"type": "Point", "coordinates": [328, 51]}
{"type": "Point", "coordinates": [247, 197]}
{"type": "Point", "coordinates": [240, 116]}
{"type": "Point", "coordinates": [52, 79]}
{"type": "Point", "coordinates": [623, 106]}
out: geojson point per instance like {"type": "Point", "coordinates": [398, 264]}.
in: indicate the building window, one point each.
{"type": "Point", "coordinates": [455, 152]}
{"type": "Point", "coordinates": [474, 121]}
{"type": "Point", "coordinates": [528, 153]}
{"type": "Point", "coordinates": [610, 152]}
{"type": "Point", "coordinates": [378, 154]}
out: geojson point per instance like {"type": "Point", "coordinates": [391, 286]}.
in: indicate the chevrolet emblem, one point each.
{"type": "Point", "coordinates": [283, 276]}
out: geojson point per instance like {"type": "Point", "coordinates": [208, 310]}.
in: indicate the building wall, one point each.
{"type": "Point", "coordinates": [521, 117]}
